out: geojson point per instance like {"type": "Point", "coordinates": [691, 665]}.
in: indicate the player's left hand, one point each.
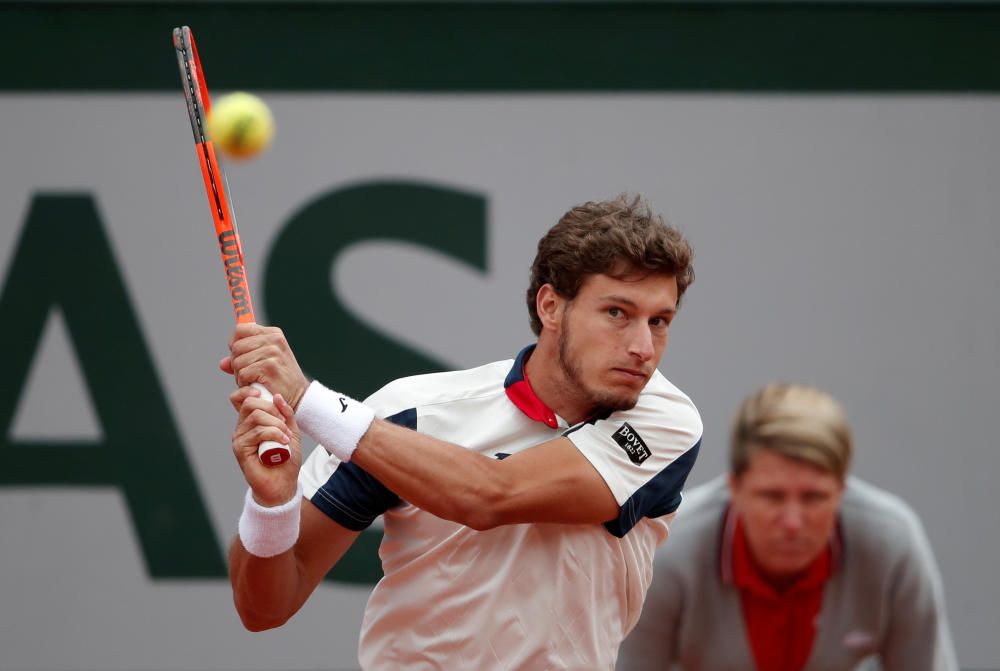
{"type": "Point", "coordinates": [261, 420]}
{"type": "Point", "coordinates": [262, 354]}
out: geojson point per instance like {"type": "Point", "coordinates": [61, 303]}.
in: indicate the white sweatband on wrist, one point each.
{"type": "Point", "coordinates": [335, 421]}
{"type": "Point", "coordinates": [266, 532]}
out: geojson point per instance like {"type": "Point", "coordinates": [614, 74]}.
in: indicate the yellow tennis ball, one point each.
{"type": "Point", "coordinates": [240, 124]}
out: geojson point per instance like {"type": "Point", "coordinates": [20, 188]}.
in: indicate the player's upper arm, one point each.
{"type": "Point", "coordinates": [552, 482]}
{"type": "Point", "coordinates": [615, 470]}
{"type": "Point", "coordinates": [644, 456]}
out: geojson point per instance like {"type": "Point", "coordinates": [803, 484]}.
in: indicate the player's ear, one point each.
{"type": "Point", "coordinates": [549, 305]}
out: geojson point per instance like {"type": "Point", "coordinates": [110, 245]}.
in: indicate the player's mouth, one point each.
{"type": "Point", "coordinates": [631, 375]}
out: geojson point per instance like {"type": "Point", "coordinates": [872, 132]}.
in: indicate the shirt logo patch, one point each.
{"type": "Point", "coordinates": [633, 445]}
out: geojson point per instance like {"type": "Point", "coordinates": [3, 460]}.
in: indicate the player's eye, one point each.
{"type": "Point", "coordinates": [615, 313]}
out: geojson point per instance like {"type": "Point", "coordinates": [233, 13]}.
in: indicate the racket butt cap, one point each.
{"type": "Point", "coordinates": [273, 454]}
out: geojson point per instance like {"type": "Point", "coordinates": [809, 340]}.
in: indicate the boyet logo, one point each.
{"type": "Point", "coordinates": [632, 443]}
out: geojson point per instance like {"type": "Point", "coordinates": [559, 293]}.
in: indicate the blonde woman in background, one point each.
{"type": "Point", "coordinates": [789, 564]}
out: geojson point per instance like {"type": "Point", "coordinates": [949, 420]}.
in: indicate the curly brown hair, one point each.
{"type": "Point", "coordinates": [621, 237]}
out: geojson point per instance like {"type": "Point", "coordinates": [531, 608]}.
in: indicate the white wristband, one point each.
{"type": "Point", "coordinates": [334, 420]}
{"type": "Point", "coordinates": [266, 532]}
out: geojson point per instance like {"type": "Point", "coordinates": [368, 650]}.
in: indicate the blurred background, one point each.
{"type": "Point", "coordinates": [835, 166]}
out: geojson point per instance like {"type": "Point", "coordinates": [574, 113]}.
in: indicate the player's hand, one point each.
{"type": "Point", "coordinates": [262, 354]}
{"type": "Point", "coordinates": [262, 420]}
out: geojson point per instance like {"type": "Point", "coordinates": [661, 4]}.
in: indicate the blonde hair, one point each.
{"type": "Point", "coordinates": [796, 421]}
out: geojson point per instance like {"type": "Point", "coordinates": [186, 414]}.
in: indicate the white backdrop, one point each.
{"type": "Point", "coordinates": [845, 241]}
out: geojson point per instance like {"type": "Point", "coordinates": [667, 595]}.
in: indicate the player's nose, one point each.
{"type": "Point", "coordinates": [641, 343]}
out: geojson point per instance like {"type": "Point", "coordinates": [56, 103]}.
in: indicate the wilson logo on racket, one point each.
{"type": "Point", "coordinates": [230, 246]}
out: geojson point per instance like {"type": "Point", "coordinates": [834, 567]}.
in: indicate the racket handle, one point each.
{"type": "Point", "coordinates": [269, 452]}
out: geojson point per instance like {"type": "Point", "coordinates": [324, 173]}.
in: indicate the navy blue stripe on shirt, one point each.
{"type": "Point", "coordinates": [590, 421]}
{"type": "Point", "coordinates": [660, 496]}
{"type": "Point", "coordinates": [407, 418]}
{"type": "Point", "coordinates": [351, 497]}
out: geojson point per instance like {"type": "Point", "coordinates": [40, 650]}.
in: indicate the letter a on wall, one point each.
{"type": "Point", "coordinates": [63, 260]}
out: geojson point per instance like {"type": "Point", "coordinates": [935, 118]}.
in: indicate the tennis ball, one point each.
{"type": "Point", "coordinates": [240, 124]}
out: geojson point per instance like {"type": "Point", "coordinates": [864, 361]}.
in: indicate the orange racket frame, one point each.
{"type": "Point", "coordinates": [223, 214]}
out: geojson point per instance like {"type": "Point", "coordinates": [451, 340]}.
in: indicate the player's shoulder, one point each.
{"type": "Point", "coordinates": [873, 515]}
{"type": "Point", "coordinates": [444, 387]}
{"type": "Point", "coordinates": [662, 398]}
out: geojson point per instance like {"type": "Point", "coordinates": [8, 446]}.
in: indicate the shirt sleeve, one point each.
{"type": "Point", "coordinates": [348, 494]}
{"type": "Point", "coordinates": [644, 454]}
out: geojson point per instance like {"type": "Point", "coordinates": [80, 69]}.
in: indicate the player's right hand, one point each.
{"type": "Point", "coordinates": [261, 420]}
{"type": "Point", "coordinates": [262, 354]}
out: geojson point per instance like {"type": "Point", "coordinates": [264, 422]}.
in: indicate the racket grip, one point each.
{"type": "Point", "coordinates": [269, 452]}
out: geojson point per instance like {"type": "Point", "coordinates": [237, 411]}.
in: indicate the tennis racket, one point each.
{"type": "Point", "coordinates": [220, 202]}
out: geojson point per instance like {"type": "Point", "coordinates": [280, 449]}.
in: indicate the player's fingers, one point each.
{"type": "Point", "coordinates": [245, 443]}
{"type": "Point", "coordinates": [262, 352]}
{"type": "Point", "coordinates": [247, 436]}
{"type": "Point", "coordinates": [287, 412]}
{"type": "Point", "coordinates": [272, 351]}
{"type": "Point", "coordinates": [237, 397]}
{"type": "Point", "coordinates": [243, 346]}
{"type": "Point", "coordinates": [268, 481]}
{"type": "Point", "coordinates": [226, 365]}
{"type": "Point", "coordinates": [253, 410]}
{"type": "Point", "coordinates": [251, 424]}
{"type": "Point", "coordinates": [245, 331]}
{"type": "Point", "coordinates": [277, 371]}
{"type": "Point", "coordinates": [247, 337]}
{"type": "Point", "coordinates": [266, 373]}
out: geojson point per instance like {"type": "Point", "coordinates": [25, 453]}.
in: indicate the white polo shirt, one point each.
{"type": "Point", "coordinates": [521, 596]}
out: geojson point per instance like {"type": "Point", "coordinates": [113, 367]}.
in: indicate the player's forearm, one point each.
{"type": "Point", "coordinates": [444, 479]}
{"type": "Point", "coordinates": [267, 575]}
{"type": "Point", "coordinates": [265, 591]}
{"type": "Point", "coordinates": [452, 482]}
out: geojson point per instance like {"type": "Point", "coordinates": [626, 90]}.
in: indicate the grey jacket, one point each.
{"type": "Point", "coordinates": [882, 608]}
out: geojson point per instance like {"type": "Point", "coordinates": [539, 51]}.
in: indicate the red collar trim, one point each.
{"type": "Point", "coordinates": [521, 394]}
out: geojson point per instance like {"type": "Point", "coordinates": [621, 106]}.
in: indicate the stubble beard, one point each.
{"type": "Point", "coordinates": [572, 371]}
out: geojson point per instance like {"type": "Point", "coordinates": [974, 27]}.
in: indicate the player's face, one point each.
{"type": "Point", "coordinates": [788, 509]}
{"type": "Point", "coordinates": [612, 336]}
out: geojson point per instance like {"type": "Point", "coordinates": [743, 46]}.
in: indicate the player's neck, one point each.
{"type": "Point", "coordinates": [548, 381]}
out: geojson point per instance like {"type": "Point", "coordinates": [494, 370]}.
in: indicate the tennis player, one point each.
{"type": "Point", "coordinates": [793, 565]}
{"type": "Point", "coordinates": [522, 500]}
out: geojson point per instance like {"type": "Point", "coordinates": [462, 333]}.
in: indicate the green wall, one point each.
{"type": "Point", "coordinates": [510, 46]}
